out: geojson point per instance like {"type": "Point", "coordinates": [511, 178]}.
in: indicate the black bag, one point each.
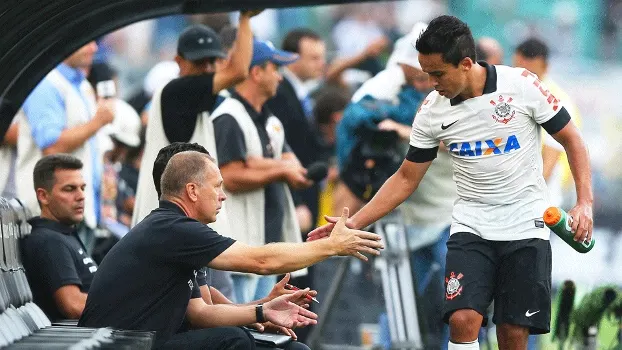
{"type": "Point", "coordinates": [374, 158]}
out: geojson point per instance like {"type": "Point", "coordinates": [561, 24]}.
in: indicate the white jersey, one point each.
{"type": "Point", "coordinates": [495, 145]}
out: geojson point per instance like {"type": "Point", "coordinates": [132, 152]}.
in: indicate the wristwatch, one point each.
{"type": "Point", "coordinates": [259, 313]}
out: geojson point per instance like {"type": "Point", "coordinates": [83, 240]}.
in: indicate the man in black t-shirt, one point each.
{"type": "Point", "coordinates": [147, 280]}
{"type": "Point", "coordinates": [57, 265]}
{"type": "Point", "coordinates": [205, 277]}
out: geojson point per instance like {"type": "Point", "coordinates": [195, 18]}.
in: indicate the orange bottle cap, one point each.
{"type": "Point", "coordinates": [552, 216]}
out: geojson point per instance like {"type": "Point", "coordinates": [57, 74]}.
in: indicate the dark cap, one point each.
{"type": "Point", "coordinates": [198, 42]}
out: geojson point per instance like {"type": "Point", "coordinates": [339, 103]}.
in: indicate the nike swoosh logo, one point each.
{"type": "Point", "coordinates": [529, 314]}
{"type": "Point", "coordinates": [443, 126]}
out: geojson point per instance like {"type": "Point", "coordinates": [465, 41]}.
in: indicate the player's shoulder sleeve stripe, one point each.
{"type": "Point", "coordinates": [557, 122]}
{"type": "Point", "coordinates": [421, 155]}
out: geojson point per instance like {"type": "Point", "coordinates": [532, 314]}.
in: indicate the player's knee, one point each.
{"type": "Point", "coordinates": [464, 325]}
{"type": "Point", "coordinates": [512, 334]}
{"type": "Point", "coordinates": [239, 339]}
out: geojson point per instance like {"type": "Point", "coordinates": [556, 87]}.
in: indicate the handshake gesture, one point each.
{"type": "Point", "coordinates": [347, 241]}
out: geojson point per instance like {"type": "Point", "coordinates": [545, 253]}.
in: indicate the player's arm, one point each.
{"type": "Point", "coordinates": [547, 111]}
{"type": "Point", "coordinates": [394, 191]}
{"type": "Point", "coordinates": [578, 159]}
{"type": "Point", "coordinates": [423, 149]}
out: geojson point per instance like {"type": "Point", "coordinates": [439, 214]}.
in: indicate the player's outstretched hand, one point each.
{"type": "Point", "coordinates": [325, 230]}
{"type": "Point", "coordinates": [582, 222]}
{"type": "Point", "coordinates": [352, 242]}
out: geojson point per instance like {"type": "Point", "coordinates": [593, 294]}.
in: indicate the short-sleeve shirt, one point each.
{"type": "Point", "coordinates": [231, 146]}
{"type": "Point", "coordinates": [147, 279]}
{"type": "Point", "coordinates": [183, 99]}
{"type": "Point", "coordinates": [54, 257]}
{"type": "Point", "coordinates": [495, 145]}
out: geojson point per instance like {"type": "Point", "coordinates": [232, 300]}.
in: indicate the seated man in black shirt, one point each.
{"type": "Point", "coordinates": [165, 249]}
{"type": "Point", "coordinates": [205, 276]}
{"type": "Point", "coordinates": [57, 265]}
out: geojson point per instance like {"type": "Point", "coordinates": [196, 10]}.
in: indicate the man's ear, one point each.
{"type": "Point", "coordinates": [466, 63]}
{"type": "Point", "coordinates": [191, 191]}
{"type": "Point", "coordinates": [43, 197]}
{"type": "Point", "coordinates": [255, 73]}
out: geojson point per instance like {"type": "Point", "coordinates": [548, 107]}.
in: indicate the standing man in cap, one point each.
{"type": "Point", "coordinates": [180, 110]}
{"type": "Point", "coordinates": [257, 164]}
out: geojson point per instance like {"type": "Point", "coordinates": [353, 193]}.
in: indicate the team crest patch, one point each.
{"type": "Point", "coordinates": [503, 110]}
{"type": "Point", "coordinates": [453, 285]}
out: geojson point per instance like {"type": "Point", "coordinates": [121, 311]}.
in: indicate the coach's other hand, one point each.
{"type": "Point", "coordinates": [582, 222]}
{"type": "Point", "coordinates": [283, 312]}
{"type": "Point", "coordinates": [352, 242]}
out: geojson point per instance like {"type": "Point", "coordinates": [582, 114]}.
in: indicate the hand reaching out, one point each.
{"type": "Point", "coordinates": [283, 312]}
{"type": "Point", "coordinates": [279, 289]}
{"type": "Point", "coordinates": [348, 241]}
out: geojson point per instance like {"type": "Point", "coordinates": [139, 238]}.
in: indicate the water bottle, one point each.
{"type": "Point", "coordinates": [559, 222]}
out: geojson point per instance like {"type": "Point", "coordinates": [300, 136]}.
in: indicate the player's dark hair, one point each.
{"type": "Point", "coordinates": [165, 154]}
{"type": "Point", "coordinates": [292, 40]}
{"type": "Point", "coordinates": [448, 36]}
{"type": "Point", "coordinates": [533, 48]}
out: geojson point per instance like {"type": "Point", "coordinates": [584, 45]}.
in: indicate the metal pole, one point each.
{"type": "Point", "coordinates": [328, 303]}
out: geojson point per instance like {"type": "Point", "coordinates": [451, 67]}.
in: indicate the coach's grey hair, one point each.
{"type": "Point", "coordinates": [184, 168]}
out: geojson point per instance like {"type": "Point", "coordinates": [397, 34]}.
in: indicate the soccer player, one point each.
{"type": "Point", "coordinates": [489, 117]}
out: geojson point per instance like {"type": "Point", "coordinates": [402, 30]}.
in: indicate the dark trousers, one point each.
{"type": "Point", "coordinates": [219, 338]}
{"type": "Point", "coordinates": [291, 346]}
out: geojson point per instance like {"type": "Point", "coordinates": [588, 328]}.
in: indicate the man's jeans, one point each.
{"type": "Point", "coordinates": [247, 288]}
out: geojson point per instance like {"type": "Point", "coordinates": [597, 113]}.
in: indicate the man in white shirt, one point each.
{"type": "Point", "coordinates": [489, 118]}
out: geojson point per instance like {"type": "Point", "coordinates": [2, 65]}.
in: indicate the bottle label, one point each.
{"type": "Point", "coordinates": [568, 223]}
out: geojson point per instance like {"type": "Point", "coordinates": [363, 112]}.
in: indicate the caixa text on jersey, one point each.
{"type": "Point", "coordinates": [485, 147]}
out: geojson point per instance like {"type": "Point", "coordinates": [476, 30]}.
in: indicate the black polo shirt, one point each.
{"type": "Point", "coordinates": [231, 146]}
{"type": "Point", "coordinates": [147, 279]}
{"type": "Point", "coordinates": [182, 100]}
{"type": "Point", "coordinates": [54, 257]}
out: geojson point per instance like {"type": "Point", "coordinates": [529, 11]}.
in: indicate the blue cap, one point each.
{"type": "Point", "coordinates": [264, 51]}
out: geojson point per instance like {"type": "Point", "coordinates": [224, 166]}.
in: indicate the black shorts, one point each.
{"type": "Point", "coordinates": [515, 274]}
